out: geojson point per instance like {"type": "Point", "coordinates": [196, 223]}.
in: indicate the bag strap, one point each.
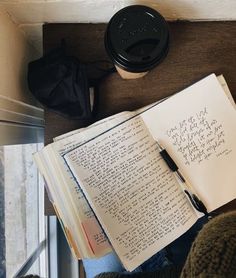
{"type": "Point", "coordinates": [102, 73]}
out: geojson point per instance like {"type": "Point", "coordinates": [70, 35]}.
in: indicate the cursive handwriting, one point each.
{"type": "Point", "coordinates": [198, 137]}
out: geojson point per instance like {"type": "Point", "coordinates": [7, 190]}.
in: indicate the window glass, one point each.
{"type": "Point", "coordinates": [22, 217]}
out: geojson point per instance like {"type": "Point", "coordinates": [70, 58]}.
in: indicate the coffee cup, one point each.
{"type": "Point", "coordinates": [136, 40]}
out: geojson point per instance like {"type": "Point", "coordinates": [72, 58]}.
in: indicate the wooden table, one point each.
{"type": "Point", "coordinates": [196, 50]}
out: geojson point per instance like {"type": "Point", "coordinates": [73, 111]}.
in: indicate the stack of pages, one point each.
{"type": "Point", "coordinates": [111, 188]}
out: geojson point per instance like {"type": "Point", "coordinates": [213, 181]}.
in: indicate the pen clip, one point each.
{"type": "Point", "coordinates": [197, 204]}
{"type": "Point", "coordinates": [191, 199]}
{"type": "Point", "coordinates": [200, 205]}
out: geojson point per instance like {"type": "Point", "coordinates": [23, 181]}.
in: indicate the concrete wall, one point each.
{"type": "Point", "coordinates": [2, 217]}
{"type": "Point", "coordinates": [38, 11]}
{"type": "Point", "coordinates": [15, 53]}
{"type": "Point", "coordinates": [31, 14]}
{"type": "Point", "coordinates": [21, 193]}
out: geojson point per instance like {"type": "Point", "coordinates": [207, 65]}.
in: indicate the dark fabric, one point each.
{"type": "Point", "coordinates": [177, 251]}
{"type": "Point", "coordinates": [60, 82]}
{"type": "Point", "coordinates": [167, 272]}
{"type": "Point", "coordinates": [30, 276]}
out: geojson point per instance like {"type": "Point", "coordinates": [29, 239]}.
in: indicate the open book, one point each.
{"type": "Point", "coordinates": [114, 167]}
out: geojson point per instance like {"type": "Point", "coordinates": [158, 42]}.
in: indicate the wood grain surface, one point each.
{"type": "Point", "coordinates": [196, 50]}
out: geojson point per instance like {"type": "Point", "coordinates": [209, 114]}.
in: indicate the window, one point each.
{"type": "Point", "coordinates": [23, 223]}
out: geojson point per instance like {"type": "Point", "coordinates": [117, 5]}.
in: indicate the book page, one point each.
{"type": "Point", "coordinates": [60, 206]}
{"type": "Point", "coordinates": [90, 228]}
{"type": "Point", "coordinates": [101, 125]}
{"type": "Point", "coordinates": [104, 124]}
{"type": "Point", "coordinates": [72, 193]}
{"type": "Point", "coordinates": [72, 207]}
{"type": "Point", "coordinates": [198, 128]}
{"type": "Point", "coordinates": [225, 87]}
{"type": "Point", "coordinates": [133, 194]}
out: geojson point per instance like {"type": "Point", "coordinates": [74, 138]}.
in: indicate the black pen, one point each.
{"type": "Point", "coordinates": [195, 201]}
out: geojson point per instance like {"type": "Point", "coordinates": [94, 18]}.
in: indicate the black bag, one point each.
{"type": "Point", "coordinates": [61, 83]}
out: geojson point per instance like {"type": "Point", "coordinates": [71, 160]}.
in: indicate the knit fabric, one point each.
{"type": "Point", "coordinates": [213, 253]}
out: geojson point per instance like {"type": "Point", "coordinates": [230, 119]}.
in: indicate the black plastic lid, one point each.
{"type": "Point", "coordinates": [137, 38]}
